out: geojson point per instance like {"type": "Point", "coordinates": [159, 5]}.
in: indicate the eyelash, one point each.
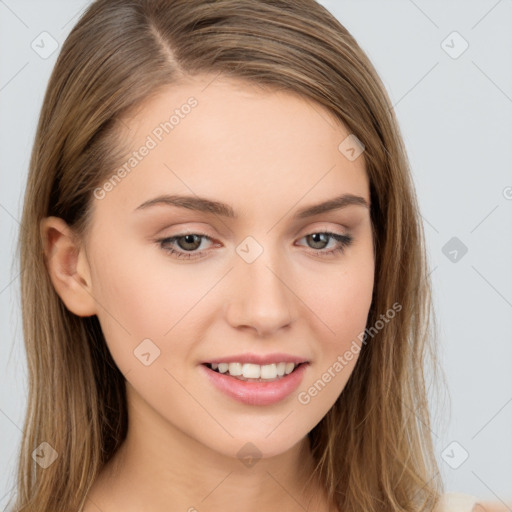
{"type": "Point", "coordinates": [343, 242]}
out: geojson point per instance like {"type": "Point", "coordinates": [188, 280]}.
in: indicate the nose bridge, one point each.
{"type": "Point", "coordinates": [262, 299]}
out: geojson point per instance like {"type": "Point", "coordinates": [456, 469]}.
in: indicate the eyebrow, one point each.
{"type": "Point", "coordinates": [203, 204]}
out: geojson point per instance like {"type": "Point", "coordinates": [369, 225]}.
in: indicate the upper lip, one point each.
{"type": "Point", "coordinates": [260, 359]}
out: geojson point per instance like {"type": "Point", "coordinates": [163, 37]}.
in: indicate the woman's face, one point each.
{"type": "Point", "coordinates": [250, 275]}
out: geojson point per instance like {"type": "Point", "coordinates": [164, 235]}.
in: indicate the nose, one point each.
{"type": "Point", "coordinates": [260, 297]}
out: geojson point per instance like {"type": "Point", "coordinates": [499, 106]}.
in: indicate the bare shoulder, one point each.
{"type": "Point", "coordinates": [461, 502]}
{"type": "Point", "coordinates": [492, 506]}
{"type": "Point", "coordinates": [456, 502]}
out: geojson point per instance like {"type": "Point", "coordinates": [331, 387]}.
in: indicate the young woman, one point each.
{"type": "Point", "coordinates": [224, 285]}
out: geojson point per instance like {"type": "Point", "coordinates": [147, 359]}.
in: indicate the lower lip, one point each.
{"type": "Point", "coordinates": [256, 393]}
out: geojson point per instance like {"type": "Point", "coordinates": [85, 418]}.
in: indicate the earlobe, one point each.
{"type": "Point", "coordinates": [67, 266]}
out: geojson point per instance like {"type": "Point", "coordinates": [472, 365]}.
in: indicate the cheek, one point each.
{"type": "Point", "coordinates": [145, 293]}
{"type": "Point", "coordinates": [343, 307]}
{"type": "Point", "coordinates": [346, 305]}
{"type": "Point", "coordinates": [342, 298]}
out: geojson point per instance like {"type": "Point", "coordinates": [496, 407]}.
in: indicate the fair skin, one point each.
{"type": "Point", "coordinates": [266, 155]}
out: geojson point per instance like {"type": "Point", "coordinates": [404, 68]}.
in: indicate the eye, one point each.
{"type": "Point", "coordinates": [321, 239]}
{"type": "Point", "coordinates": [188, 244]}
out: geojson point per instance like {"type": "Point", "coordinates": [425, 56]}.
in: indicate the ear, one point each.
{"type": "Point", "coordinates": [67, 266]}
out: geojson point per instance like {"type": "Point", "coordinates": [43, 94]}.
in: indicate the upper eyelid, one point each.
{"type": "Point", "coordinates": [321, 229]}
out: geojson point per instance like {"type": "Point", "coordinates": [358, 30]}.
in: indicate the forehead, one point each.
{"type": "Point", "coordinates": [239, 143]}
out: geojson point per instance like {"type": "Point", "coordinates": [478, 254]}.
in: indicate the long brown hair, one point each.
{"type": "Point", "coordinates": [374, 448]}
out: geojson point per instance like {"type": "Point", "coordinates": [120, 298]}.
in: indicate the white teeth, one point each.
{"type": "Point", "coordinates": [269, 371]}
{"type": "Point", "coordinates": [251, 371]}
{"type": "Point", "coordinates": [289, 368]}
{"type": "Point", "coordinates": [255, 371]}
{"type": "Point", "coordinates": [235, 369]}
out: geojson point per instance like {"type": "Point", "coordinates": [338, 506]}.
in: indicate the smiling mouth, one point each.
{"type": "Point", "coordinates": [254, 372]}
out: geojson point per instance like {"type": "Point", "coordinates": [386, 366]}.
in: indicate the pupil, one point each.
{"type": "Point", "coordinates": [189, 239]}
{"type": "Point", "coordinates": [316, 236]}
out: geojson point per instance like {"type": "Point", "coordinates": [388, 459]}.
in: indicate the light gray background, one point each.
{"type": "Point", "coordinates": [456, 118]}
